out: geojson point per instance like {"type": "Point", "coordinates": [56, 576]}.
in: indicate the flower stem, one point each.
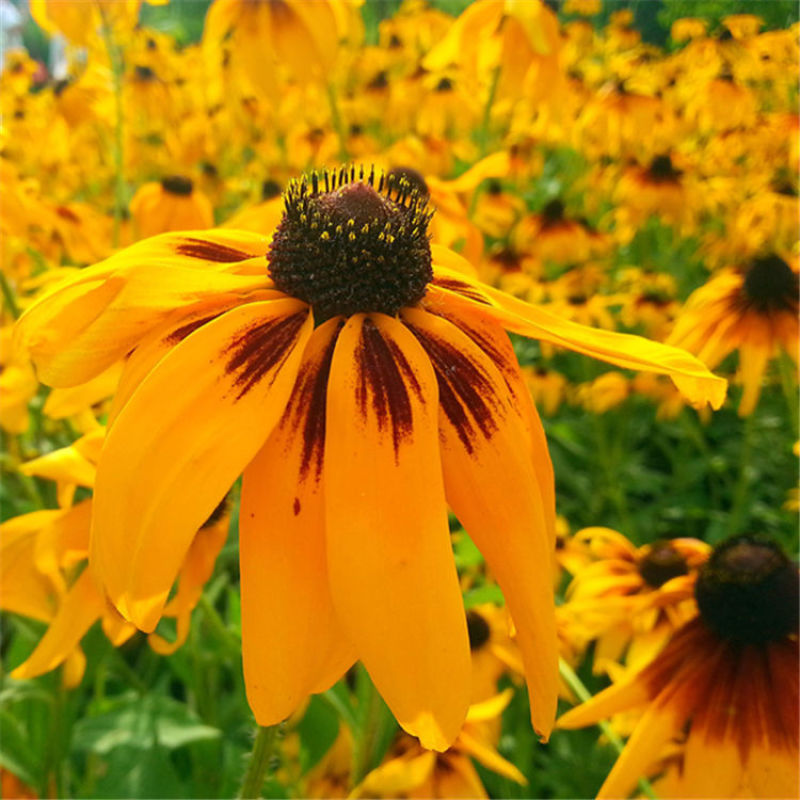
{"type": "Point", "coordinates": [583, 694]}
{"type": "Point", "coordinates": [741, 491]}
{"type": "Point", "coordinates": [263, 749]}
{"type": "Point", "coordinates": [788, 373]}
{"type": "Point", "coordinates": [8, 296]}
{"type": "Point", "coordinates": [371, 723]}
{"type": "Point", "coordinates": [487, 111]}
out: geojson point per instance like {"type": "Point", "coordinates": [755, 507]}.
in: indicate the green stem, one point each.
{"type": "Point", "coordinates": [336, 118]}
{"type": "Point", "coordinates": [8, 296]}
{"type": "Point", "coordinates": [263, 749]}
{"type": "Point", "coordinates": [487, 111]}
{"type": "Point", "coordinates": [788, 375]}
{"type": "Point", "coordinates": [219, 628]}
{"type": "Point", "coordinates": [364, 750]}
{"type": "Point", "coordinates": [741, 492]}
{"type": "Point", "coordinates": [583, 694]}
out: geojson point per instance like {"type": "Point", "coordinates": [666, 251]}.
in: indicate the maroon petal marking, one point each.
{"type": "Point", "coordinates": [262, 347]}
{"type": "Point", "coordinates": [307, 409]}
{"type": "Point", "coordinates": [466, 393]}
{"type": "Point", "coordinates": [461, 287]}
{"type": "Point", "coordinates": [211, 251]}
{"type": "Point", "coordinates": [385, 378]}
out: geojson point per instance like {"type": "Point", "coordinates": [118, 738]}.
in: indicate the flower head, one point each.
{"type": "Point", "coordinates": [725, 686]}
{"type": "Point", "coordinates": [358, 406]}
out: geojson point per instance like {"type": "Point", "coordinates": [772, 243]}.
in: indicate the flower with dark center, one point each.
{"type": "Point", "coordinates": [770, 285]}
{"type": "Point", "coordinates": [661, 170]}
{"type": "Point", "coordinates": [725, 686]}
{"type": "Point", "coordinates": [362, 381]}
{"type": "Point", "coordinates": [662, 563]}
{"type": "Point", "coordinates": [177, 184]}
{"type": "Point", "coordinates": [752, 309]}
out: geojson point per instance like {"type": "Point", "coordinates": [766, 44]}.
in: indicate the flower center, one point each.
{"type": "Point", "coordinates": [661, 170]}
{"type": "Point", "coordinates": [478, 630]}
{"type": "Point", "coordinates": [346, 246]}
{"type": "Point", "coordinates": [770, 284]}
{"type": "Point", "coordinates": [748, 591]}
{"type": "Point", "coordinates": [661, 564]}
{"type": "Point", "coordinates": [177, 184]}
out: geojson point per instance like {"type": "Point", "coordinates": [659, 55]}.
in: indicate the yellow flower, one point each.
{"type": "Point", "coordinates": [631, 599]}
{"type": "Point", "coordinates": [171, 205]}
{"type": "Point", "coordinates": [411, 771]}
{"type": "Point", "coordinates": [725, 686]}
{"type": "Point", "coordinates": [355, 370]}
{"type": "Point", "coordinates": [752, 309]}
{"type": "Point", "coordinates": [44, 552]}
{"type": "Point", "coordinates": [298, 35]}
{"type": "Point", "coordinates": [18, 385]}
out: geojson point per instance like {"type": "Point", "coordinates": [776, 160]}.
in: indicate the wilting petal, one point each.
{"type": "Point", "coordinates": [25, 590]}
{"type": "Point", "coordinates": [82, 326]}
{"type": "Point", "coordinates": [190, 428]}
{"type": "Point", "coordinates": [174, 329]}
{"type": "Point", "coordinates": [195, 571]}
{"type": "Point", "coordinates": [392, 572]}
{"type": "Point", "coordinates": [622, 696]}
{"type": "Point", "coordinates": [492, 488]}
{"type": "Point", "coordinates": [625, 350]}
{"type": "Point", "coordinates": [81, 606]}
{"type": "Point", "coordinates": [660, 723]}
{"type": "Point", "coordinates": [494, 342]}
{"type": "Point", "coordinates": [291, 639]}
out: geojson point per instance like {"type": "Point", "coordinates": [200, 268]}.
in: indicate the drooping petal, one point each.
{"type": "Point", "coordinates": [174, 329]}
{"type": "Point", "coordinates": [491, 486]}
{"type": "Point", "coordinates": [195, 571]}
{"type": "Point", "coordinates": [291, 639]}
{"type": "Point", "coordinates": [393, 578]}
{"type": "Point", "coordinates": [625, 350]}
{"type": "Point", "coordinates": [494, 342]}
{"type": "Point", "coordinates": [83, 325]}
{"type": "Point", "coordinates": [660, 723]}
{"type": "Point", "coordinates": [82, 605]}
{"type": "Point", "coordinates": [190, 428]}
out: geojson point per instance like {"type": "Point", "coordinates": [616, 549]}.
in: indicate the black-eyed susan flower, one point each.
{"type": "Point", "coordinates": [172, 204]}
{"type": "Point", "coordinates": [361, 380]}
{"type": "Point", "coordinates": [44, 577]}
{"type": "Point", "coordinates": [751, 309]}
{"type": "Point", "coordinates": [725, 686]}
{"type": "Point", "coordinates": [629, 599]}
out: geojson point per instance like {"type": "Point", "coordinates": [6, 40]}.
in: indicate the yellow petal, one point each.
{"type": "Point", "coordinates": [390, 562]}
{"type": "Point", "coordinates": [655, 729]}
{"type": "Point", "coordinates": [83, 325]}
{"type": "Point", "coordinates": [291, 639]}
{"type": "Point", "coordinates": [492, 488]}
{"type": "Point", "coordinates": [621, 696]}
{"type": "Point", "coordinates": [625, 350]}
{"type": "Point", "coordinates": [195, 571]}
{"type": "Point", "coordinates": [397, 776]}
{"type": "Point", "coordinates": [190, 428]}
{"type": "Point", "coordinates": [489, 757]}
{"type": "Point", "coordinates": [82, 606]}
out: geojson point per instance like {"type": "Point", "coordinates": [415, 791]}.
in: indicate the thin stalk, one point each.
{"type": "Point", "coordinates": [216, 623]}
{"type": "Point", "coordinates": [583, 694]}
{"type": "Point", "coordinates": [742, 489]}
{"type": "Point", "coordinates": [8, 296]}
{"type": "Point", "coordinates": [263, 750]}
{"type": "Point", "coordinates": [364, 750]}
{"type": "Point", "coordinates": [788, 375]}
{"type": "Point", "coordinates": [487, 111]}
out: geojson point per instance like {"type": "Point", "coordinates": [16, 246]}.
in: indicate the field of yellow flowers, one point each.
{"type": "Point", "coordinates": [399, 398]}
